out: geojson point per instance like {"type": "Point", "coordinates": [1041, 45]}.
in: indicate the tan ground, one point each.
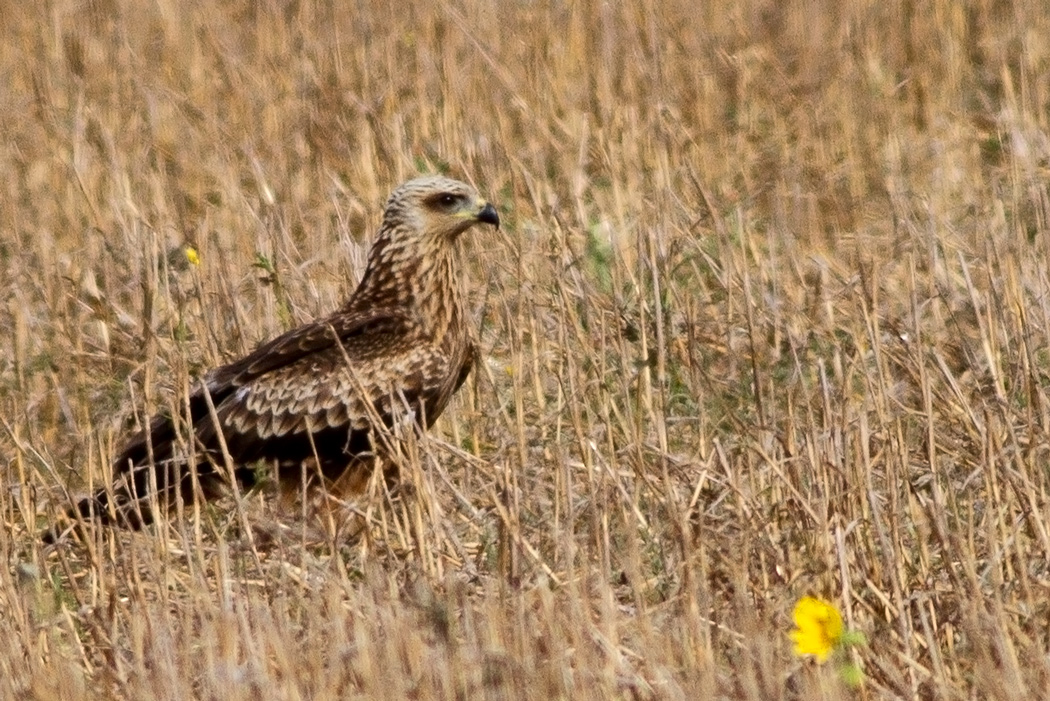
{"type": "Point", "coordinates": [768, 317]}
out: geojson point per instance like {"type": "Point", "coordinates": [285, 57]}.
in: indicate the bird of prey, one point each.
{"type": "Point", "coordinates": [315, 396]}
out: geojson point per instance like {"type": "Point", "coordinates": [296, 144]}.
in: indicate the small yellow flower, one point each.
{"type": "Point", "coordinates": [818, 628]}
{"type": "Point", "coordinates": [182, 257]}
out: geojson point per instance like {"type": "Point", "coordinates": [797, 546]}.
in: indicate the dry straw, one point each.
{"type": "Point", "coordinates": [767, 317]}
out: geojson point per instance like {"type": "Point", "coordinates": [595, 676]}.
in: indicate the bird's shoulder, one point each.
{"type": "Point", "coordinates": [374, 375]}
{"type": "Point", "coordinates": [360, 333]}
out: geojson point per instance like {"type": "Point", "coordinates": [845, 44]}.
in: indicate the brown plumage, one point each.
{"type": "Point", "coordinates": [403, 350]}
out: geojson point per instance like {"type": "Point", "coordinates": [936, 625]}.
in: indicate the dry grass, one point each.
{"type": "Point", "coordinates": [768, 316]}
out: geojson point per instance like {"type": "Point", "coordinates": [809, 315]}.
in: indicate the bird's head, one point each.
{"type": "Point", "coordinates": [411, 256]}
{"type": "Point", "coordinates": [437, 209]}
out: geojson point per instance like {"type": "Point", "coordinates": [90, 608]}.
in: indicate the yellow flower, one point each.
{"type": "Point", "coordinates": [181, 257]}
{"type": "Point", "coordinates": [818, 628]}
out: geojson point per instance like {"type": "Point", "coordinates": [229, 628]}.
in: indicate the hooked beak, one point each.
{"type": "Point", "coordinates": [488, 215]}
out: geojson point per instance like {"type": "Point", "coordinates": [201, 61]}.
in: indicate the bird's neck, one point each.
{"type": "Point", "coordinates": [426, 285]}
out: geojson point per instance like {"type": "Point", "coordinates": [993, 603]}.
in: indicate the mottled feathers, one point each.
{"type": "Point", "coordinates": [398, 349]}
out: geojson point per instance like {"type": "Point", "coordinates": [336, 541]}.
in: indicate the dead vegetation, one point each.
{"type": "Point", "coordinates": [768, 316]}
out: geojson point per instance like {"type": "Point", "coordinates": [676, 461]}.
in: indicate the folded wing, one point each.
{"type": "Point", "coordinates": [301, 396]}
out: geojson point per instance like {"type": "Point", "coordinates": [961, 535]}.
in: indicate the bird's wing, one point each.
{"type": "Point", "coordinates": [315, 339]}
{"type": "Point", "coordinates": [304, 388]}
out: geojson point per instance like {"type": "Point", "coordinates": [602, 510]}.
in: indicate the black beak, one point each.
{"type": "Point", "coordinates": [489, 215]}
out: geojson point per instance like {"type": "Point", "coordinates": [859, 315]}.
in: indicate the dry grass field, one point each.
{"type": "Point", "coordinates": [767, 317]}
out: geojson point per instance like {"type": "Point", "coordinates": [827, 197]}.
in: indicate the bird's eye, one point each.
{"type": "Point", "coordinates": [444, 201]}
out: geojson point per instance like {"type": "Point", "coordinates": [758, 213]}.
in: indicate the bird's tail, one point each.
{"type": "Point", "coordinates": [128, 503]}
{"type": "Point", "coordinates": [150, 471]}
{"type": "Point", "coordinates": [137, 493]}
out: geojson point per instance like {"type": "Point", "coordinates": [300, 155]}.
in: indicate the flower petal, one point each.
{"type": "Point", "coordinates": [818, 628]}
